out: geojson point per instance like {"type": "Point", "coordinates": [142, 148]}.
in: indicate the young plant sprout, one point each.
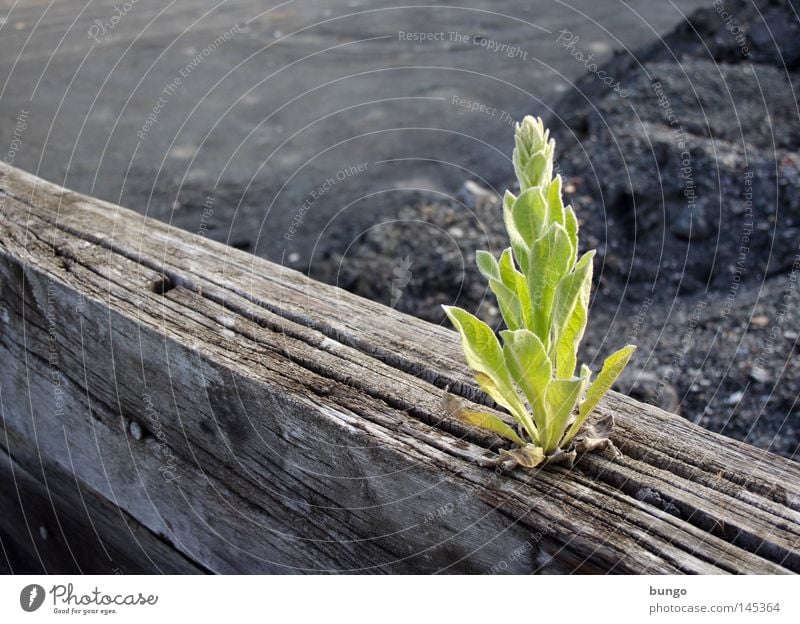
{"type": "Point", "coordinates": [542, 290]}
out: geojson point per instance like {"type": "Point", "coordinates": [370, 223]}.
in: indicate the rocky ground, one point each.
{"type": "Point", "coordinates": [686, 179]}
{"type": "Point", "coordinates": [257, 106]}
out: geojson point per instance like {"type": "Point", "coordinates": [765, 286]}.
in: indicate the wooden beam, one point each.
{"type": "Point", "coordinates": [53, 524]}
{"type": "Point", "coordinates": [289, 426]}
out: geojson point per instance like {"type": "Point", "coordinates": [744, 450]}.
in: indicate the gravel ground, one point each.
{"type": "Point", "coordinates": [258, 105]}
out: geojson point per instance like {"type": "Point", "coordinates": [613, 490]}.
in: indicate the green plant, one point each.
{"type": "Point", "coordinates": [542, 290]}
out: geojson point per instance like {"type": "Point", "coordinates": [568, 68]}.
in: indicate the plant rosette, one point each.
{"type": "Point", "coordinates": [543, 290]}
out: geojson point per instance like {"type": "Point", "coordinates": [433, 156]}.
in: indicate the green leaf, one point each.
{"type": "Point", "coordinates": [482, 420]}
{"type": "Point", "coordinates": [507, 272]}
{"type": "Point", "coordinates": [487, 265]}
{"type": "Point", "coordinates": [515, 237]}
{"type": "Point", "coordinates": [568, 292]}
{"type": "Point", "coordinates": [571, 225]}
{"type": "Point", "coordinates": [520, 414]}
{"type": "Point", "coordinates": [538, 170]}
{"type": "Point", "coordinates": [513, 305]}
{"type": "Point", "coordinates": [519, 157]}
{"type": "Point", "coordinates": [509, 304]}
{"type": "Point", "coordinates": [554, 202]}
{"type": "Point", "coordinates": [548, 263]}
{"type": "Point", "coordinates": [514, 280]}
{"type": "Point", "coordinates": [485, 357]}
{"type": "Point", "coordinates": [569, 340]}
{"type": "Point", "coordinates": [562, 399]}
{"type": "Point", "coordinates": [530, 367]}
{"type": "Point", "coordinates": [613, 365]}
{"type": "Point", "coordinates": [530, 215]}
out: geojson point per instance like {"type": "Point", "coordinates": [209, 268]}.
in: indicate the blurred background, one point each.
{"type": "Point", "coordinates": [367, 144]}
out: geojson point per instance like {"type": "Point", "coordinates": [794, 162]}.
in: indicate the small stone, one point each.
{"type": "Point", "coordinates": [760, 374]}
{"type": "Point", "coordinates": [43, 532]}
{"type": "Point", "coordinates": [734, 398]}
{"type": "Point", "coordinates": [293, 257]}
{"type": "Point", "coordinates": [456, 232]}
{"type": "Point", "coordinates": [475, 196]}
{"type": "Point", "coordinates": [137, 433]}
{"type": "Point", "coordinates": [760, 321]}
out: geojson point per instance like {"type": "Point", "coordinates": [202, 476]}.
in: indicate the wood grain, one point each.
{"type": "Point", "coordinates": [293, 427]}
{"type": "Point", "coordinates": [53, 524]}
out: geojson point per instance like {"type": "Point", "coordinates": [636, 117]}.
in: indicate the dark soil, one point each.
{"type": "Point", "coordinates": [688, 185]}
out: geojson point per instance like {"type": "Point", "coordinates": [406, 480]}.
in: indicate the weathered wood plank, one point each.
{"type": "Point", "coordinates": [317, 412]}
{"type": "Point", "coordinates": [52, 524]}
